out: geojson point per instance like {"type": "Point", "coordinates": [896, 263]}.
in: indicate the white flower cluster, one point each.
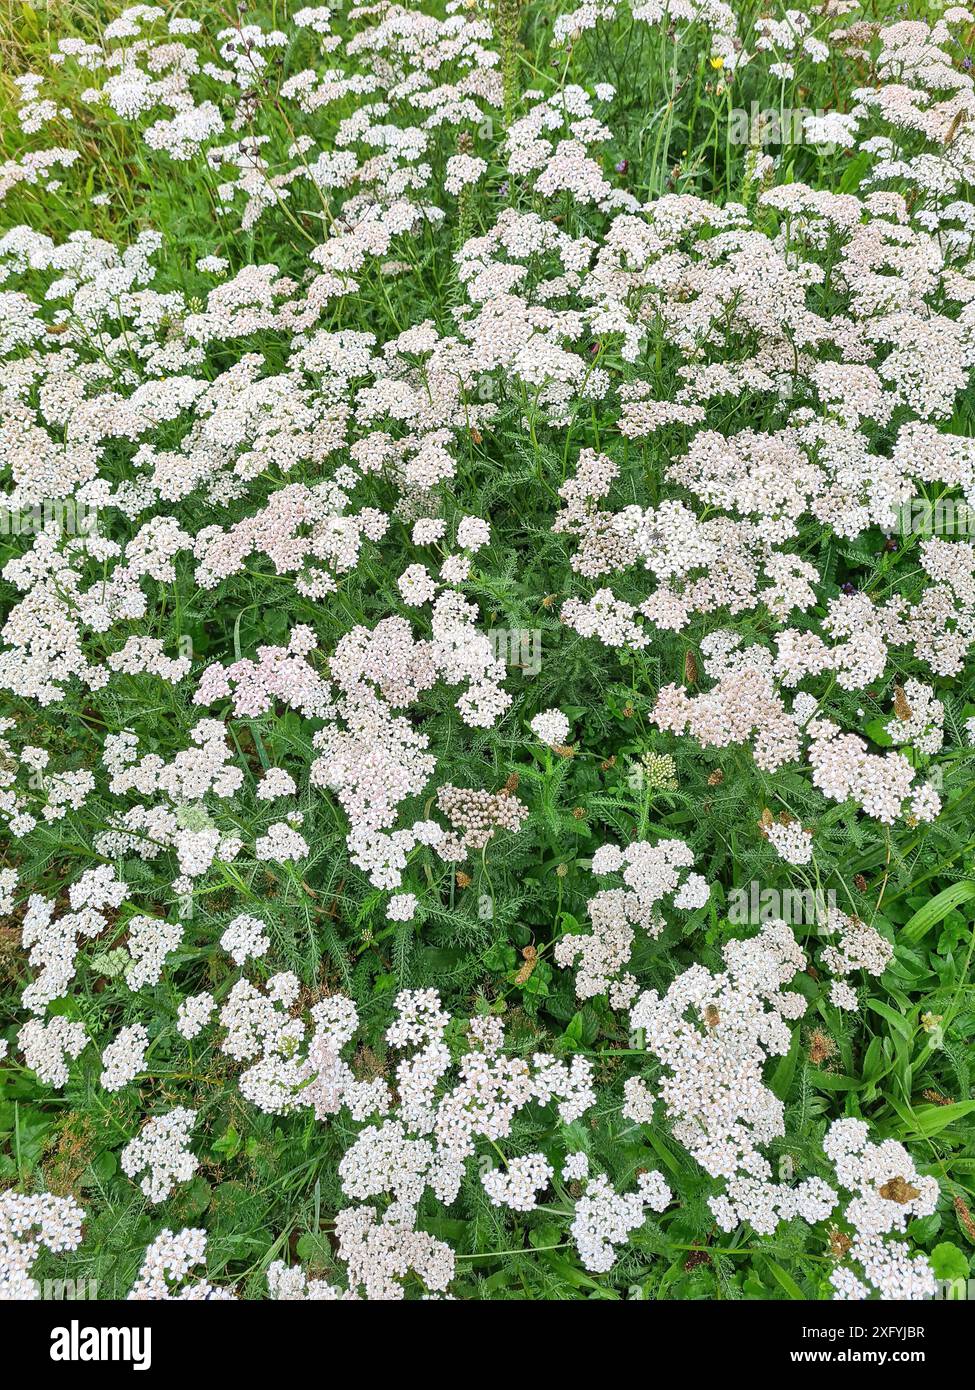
{"type": "Point", "coordinates": [26, 1223]}
{"type": "Point", "coordinates": [124, 1057]}
{"type": "Point", "coordinates": [167, 1264]}
{"type": "Point", "coordinates": [791, 842]}
{"type": "Point", "coordinates": [162, 1151]}
{"type": "Point", "coordinates": [918, 718]}
{"type": "Point", "coordinates": [180, 821]}
{"type": "Point", "coordinates": [292, 1285]}
{"type": "Point", "coordinates": [150, 941]}
{"type": "Point", "coordinates": [888, 1193]}
{"type": "Point", "coordinates": [743, 707]}
{"type": "Point", "coordinates": [52, 943]}
{"type": "Point", "coordinates": [195, 1012]}
{"type": "Point", "coordinates": [551, 727]}
{"type": "Point", "coordinates": [517, 1186]}
{"type": "Point", "coordinates": [639, 1102]}
{"type": "Point", "coordinates": [859, 947]}
{"type": "Point", "coordinates": [843, 768]}
{"type": "Point", "coordinates": [46, 1045]}
{"type": "Point", "coordinates": [713, 1034]}
{"type": "Point", "coordinates": [245, 938]}
{"type": "Point", "coordinates": [652, 873]}
{"type": "Point", "coordinates": [604, 1218]}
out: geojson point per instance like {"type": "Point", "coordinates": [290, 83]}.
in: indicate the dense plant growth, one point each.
{"type": "Point", "coordinates": [488, 605]}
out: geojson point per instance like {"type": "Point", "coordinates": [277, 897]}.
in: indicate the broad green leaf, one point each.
{"type": "Point", "coordinates": [938, 908]}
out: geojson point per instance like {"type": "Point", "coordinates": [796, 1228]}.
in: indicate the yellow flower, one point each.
{"type": "Point", "coordinates": [717, 63]}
